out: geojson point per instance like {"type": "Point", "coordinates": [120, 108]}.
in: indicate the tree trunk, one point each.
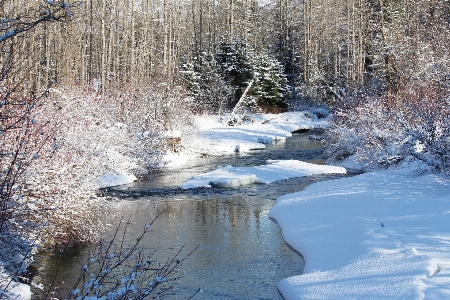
{"type": "Point", "coordinates": [104, 49]}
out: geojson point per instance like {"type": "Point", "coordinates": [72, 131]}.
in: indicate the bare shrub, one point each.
{"type": "Point", "coordinates": [23, 139]}
{"type": "Point", "coordinates": [425, 118]}
{"type": "Point", "coordinates": [377, 133]}
{"type": "Point", "coordinates": [362, 130]}
{"type": "Point", "coordinates": [117, 270]}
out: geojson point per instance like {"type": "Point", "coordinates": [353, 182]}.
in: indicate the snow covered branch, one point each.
{"type": "Point", "coordinates": [18, 24]}
{"type": "Point", "coordinates": [115, 272]}
{"type": "Point", "coordinates": [375, 134]}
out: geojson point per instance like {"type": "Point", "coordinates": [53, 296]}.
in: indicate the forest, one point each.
{"type": "Point", "coordinates": [91, 87]}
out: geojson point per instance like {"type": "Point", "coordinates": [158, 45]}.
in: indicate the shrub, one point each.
{"type": "Point", "coordinates": [115, 270]}
{"type": "Point", "coordinates": [54, 148]}
{"type": "Point", "coordinates": [377, 133]}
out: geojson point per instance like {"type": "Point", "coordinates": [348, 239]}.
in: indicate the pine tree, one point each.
{"type": "Point", "coordinates": [235, 66]}
{"type": "Point", "coordinates": [270, 86]}
{"type": "Point", "coordinates": [191, 78]}
{"type": "Point", "coordinates": [209, 90]}
{"type": "Point", "coordinates": [218, 81]}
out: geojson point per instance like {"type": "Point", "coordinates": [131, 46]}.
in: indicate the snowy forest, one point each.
{"type": "Point", "coordinates": [93, 87]}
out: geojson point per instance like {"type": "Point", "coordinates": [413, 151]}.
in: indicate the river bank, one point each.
{"type": "Point", "coordinates": [380, 235]}
{"type": "Point", "coordinates": [213, 138]}
{"type": "Point", "coordinates": [241, 251]}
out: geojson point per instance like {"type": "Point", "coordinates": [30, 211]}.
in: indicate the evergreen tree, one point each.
{"type": "Point", "coordinates": [191, 78]}
{"type": "Point", "coordinates": [217, 82]}
{"type": "Point", "coordinates": [235, 66]}
{"type": "Point", "coordinates": [270, 86]}
{"type": "Point", "coordinates": [209, 90]}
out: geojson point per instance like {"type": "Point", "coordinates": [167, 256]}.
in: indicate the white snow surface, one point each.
{"type": "Point", "coordinates": [275, 170]}
{"type": "Point", "coordinates": [14, 290]}
{"type": "Point", "coordinates": [119, 178]}
{"type": "Point", "coordinates": [215, 137]}
{"type": "Point", "coordinates": [380, 235]}
{"type": "Point", "coordinates": [265, 129]}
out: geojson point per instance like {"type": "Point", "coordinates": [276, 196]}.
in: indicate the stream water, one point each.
{"type": "Point", "coordinates": [241, 253]}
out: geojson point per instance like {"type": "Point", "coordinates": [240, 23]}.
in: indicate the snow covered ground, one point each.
{"type": "Point", "coordinates": [215, 138]}
{"type": "Point", "coordinates": [14, 290]}
{"type": "Point", "coordinates": [119, 178]}
{"type": "Point", "coordinates": [380, 235]}
{"type": "Point", "coordinates": [264, 129]}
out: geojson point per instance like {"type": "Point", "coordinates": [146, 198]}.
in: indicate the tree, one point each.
{"type": "Point", "coordinates": [210, 91]}
{"type": "Point", "coordinates": [270, 89]}
{"type": "Point", "coordinates": [23, 136]}
{"type": "Point", "coordinates": [235, 66]}
{"type": "Point", "coordinates": [212, 81]}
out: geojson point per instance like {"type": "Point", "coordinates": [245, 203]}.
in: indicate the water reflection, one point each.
{"type": "Point", "coordinates": [241, 255]}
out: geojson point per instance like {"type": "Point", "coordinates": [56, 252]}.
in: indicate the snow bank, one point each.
{"type": "Point", "coordinates": [380, 235]}
{"type": "Point", "coordinates": [120, 178]}
{"type": "Point", "coordinates": [275, 170]}
{"type": "Point", "coordinates": [14, 290]}
{"type": "Point", "coordinates": [215, 137]}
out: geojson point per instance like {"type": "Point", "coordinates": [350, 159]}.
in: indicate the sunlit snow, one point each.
{"type": "Point", "coordinates": [119, 178]}
{"type": "Point", "coordinates": [275, 170]}
{"type": "Point", "coordinates": [381, 235]}
{"type": "Point", "coordinates": [264, 130]}
{"type": "Point", "coordinates": [215, 137]}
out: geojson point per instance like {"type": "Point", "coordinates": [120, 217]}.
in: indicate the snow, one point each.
{"type": "Point", "coordinates": [275, 170]}
{"type": "Point", "coordinates": [14, 290]}
{"type": "Point", "coordinates": [120, 178]}
{"type": "Point", "coordinates": [380, 235]}
{"type": "Point", "coordinates": [174, 133]}
{"type": "Point", "coordinates": [265, 129]}
{"type": "Point", "coordinates": [215, 138]}
{"type": "Point", "coordinates": [176, 159]}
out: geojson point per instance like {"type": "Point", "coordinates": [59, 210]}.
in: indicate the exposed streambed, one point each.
{"type": "Point", "coordinates": [241, 252]}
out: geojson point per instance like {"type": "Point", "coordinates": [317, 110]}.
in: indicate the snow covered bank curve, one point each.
{"type": "Point", "coordinates": [381, 235]}
{"type": "Point", "coordinates": [275, 170]}
{"type": "Point", "coordinates": [120, 178]}
{"type": "Point", "coordinates": [215, 137]}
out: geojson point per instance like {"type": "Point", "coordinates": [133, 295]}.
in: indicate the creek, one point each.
{"type": "Point", "coordinates": [241, 253]}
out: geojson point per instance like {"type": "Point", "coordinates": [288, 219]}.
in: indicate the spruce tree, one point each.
{"type": "Point", "coordinates": [235, 66]}
{"type": "Point", "coordinates": [270, 86]}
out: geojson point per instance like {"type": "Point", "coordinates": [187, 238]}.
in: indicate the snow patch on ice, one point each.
{"type": "Point", "coordinates": [275, 170]}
